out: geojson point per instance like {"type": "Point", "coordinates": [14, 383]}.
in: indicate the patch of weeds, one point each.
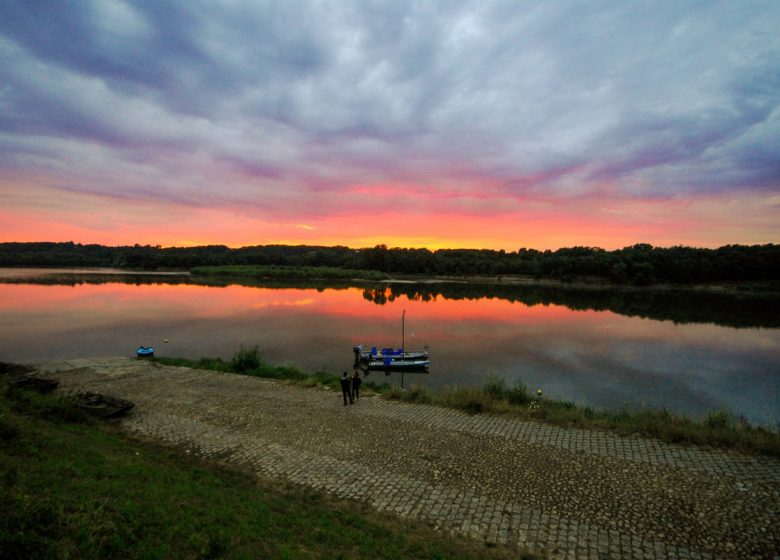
{"type": "Point", "coordinates": [469, 399]}
{"type": "Point", "coordinates": [245, 360]}
{"type": "Point", "coordinates": [519, 394]}
{"type": "Point", "coordinates": [718, 419]}
{"type": "Point", "coordinates": [327, 379]}
{"type": "Point", "coordinates": [495, 387]}
{"type": "Point", "coordinates": [418, 394]}
{"type": "Point", "coordinates": [53, 408]}
{"type": "Point", "coordinates": [415, 394]}
{"type": "Point", "coordinates": [394, 393]}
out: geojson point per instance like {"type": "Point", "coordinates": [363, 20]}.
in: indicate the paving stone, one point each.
{"type": "Point", "coordinates": [571, 493]}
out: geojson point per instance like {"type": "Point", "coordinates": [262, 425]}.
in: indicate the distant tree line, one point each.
{"type": "Point", "coordinates": [638, 264]}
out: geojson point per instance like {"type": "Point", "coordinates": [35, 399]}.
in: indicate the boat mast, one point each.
{"type": "Point", "coordinates": [403, 320]}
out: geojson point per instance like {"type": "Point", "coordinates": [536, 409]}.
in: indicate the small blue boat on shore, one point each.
{"type": "Point", "coordinates": [145, 352]}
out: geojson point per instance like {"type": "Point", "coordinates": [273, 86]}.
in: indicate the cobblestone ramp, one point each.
{"type": "Point", "coordinates": [562, 492]}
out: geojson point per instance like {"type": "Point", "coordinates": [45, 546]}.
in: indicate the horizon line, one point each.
{"type": "Point", "coordinates": [234, 247]}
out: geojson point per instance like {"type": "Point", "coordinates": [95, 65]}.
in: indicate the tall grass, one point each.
{"type": "Point", "coordinates": [244, 361]}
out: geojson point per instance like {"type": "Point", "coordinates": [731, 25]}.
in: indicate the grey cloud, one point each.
{"type": "Point", "coordinates": [535, 96]}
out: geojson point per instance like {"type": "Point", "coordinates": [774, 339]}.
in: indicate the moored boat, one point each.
{"type": "Point", "coordinates": [365, 356]}
{"type": "Point", "coordinates": [388, 359]}
{"type": "Point", "coordinates": [145, 352]}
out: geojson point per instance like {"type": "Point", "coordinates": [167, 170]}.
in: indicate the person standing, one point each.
{"type": "Point", "coordinates": [356, 381]}
{"type": "Point", "coordinates": [345, 388]}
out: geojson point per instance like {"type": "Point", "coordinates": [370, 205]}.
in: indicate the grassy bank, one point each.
{"type": "Point", "coordinates": [717, 429]}
{"type": "Point", "coordinates": [74, 488]}
{"type": "Point", "coordinates": [249, 362]}
{"type": "Point", "coordinates": [286, 272]}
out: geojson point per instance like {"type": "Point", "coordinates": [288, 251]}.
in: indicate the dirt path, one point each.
{"type": "Point", "coordinates": [569, 493]}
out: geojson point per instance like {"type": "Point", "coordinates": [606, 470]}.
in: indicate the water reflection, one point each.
{"type": "Point", "coordinates": [603, 349]}
{"type": "Point", "coordinates": [680, 306]}
{"type": "Point", "coordinates": [732, 309]}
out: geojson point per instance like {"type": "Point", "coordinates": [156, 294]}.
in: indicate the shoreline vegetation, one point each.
{"type": "Point", "coordinates": [280, 272]}
{"type": "Point", "coordinates": [719, 428]}
{"type": "Point", "coordinates": [76, 487]}
{"type": "Point", "coordinates": [637, 265]}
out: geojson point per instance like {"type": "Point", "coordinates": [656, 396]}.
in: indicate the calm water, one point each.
{"type": "Point", "coordinates": [689, 353]}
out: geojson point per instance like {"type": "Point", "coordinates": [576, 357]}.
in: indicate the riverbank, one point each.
{"type": "Point", "coordinates": [252, 274]}
{"type": "Point", "coordinates": [501, 481]}
{"type": "Point", "coordinates": [95, 506]}
{"type": "Point", "coordinates": [719, 428]}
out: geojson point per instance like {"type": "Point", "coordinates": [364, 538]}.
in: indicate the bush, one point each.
{"type": "Point", "coordinates": [519, 395]}
{"type": "Point", "coordinates": [718, 419]}
{"type": "Point", "coordinates": [496, 387]}
{"type": "Point", "coordinates": [470, 399]}
{"type": "Point", "coordinates": [245, 360]}
{"type": "Point", "coordinates": [394, 393]}
{"type": "Point", "coordinates": [418, 394]}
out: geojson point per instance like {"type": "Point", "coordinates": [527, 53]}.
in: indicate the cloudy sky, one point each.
{"type": "Point", "coordinates": [440, 124]}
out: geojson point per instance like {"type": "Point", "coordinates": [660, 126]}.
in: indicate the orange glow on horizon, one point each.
{"type": "Point", "coordinates": [597, 221]}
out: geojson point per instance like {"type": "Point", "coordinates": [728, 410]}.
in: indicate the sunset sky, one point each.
{"type": "Point", "coordinates": [438, 124]}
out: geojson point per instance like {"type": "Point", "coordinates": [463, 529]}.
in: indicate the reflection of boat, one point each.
{"type": "Point", "coordinates": [103, 406]}
{"type": "Point", "coordinates": [145, 352]}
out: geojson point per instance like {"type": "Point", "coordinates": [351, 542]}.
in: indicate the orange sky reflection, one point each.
{"type": "Point", "coordinates": [208, 301]}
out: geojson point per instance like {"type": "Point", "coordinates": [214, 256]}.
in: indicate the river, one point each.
{"type": "Point", "coordinates": [690, 352]}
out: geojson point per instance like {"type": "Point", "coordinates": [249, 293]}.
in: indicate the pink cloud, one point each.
{"type": "Point", "coordinates": [470, 214]}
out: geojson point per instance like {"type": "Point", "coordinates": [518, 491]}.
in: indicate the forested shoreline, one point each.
{"type": "Point", "coordinates": [640, 264]}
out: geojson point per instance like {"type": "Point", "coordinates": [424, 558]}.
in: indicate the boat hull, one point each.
{"type": "Point", "coordinates": [390, 364]}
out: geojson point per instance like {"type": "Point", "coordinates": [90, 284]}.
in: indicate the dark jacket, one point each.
{"type": "Point", "coordinates": [344, 384]}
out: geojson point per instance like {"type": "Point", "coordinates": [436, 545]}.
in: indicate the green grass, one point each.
{"type": "Point", "coordinates": [75, 488]}
{"type": "Point", "coordinates": [249, 362]}
{"type": "Point", "coordinates": [287, 272]}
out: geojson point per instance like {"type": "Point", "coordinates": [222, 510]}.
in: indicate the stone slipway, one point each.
{"type": "Point", "coordinates": [566, 493]}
